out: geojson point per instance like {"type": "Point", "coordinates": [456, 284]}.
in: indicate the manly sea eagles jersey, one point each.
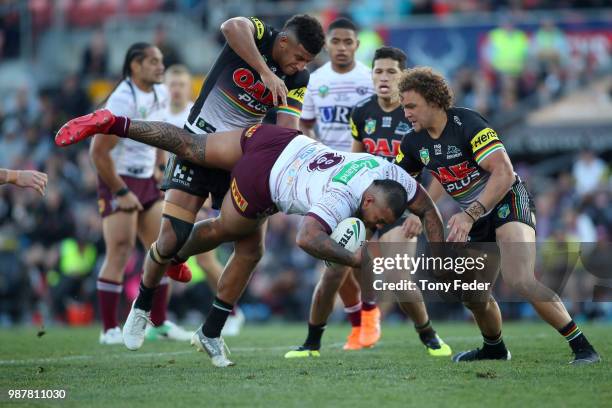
{"type": "Point", "coordinates": [233, 95]}
{"type": "Point", "coordinates": [309, 178]}
{"type": "Point", "coordinates": [132, 158]}
{"type": "Point", "coordinates": [331, 97]}
{"type": "Point", "coordinates": [453, 158]}
{"type": "Point", "coordinates": [380, 132]}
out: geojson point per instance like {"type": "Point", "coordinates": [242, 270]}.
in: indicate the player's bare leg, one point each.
{"type": "Point", "coordinates": [518, 253]}
{"type": "Point", "coordinates": [119, 233]}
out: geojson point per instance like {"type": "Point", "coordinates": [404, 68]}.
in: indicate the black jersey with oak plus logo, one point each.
{"type": "Point", "coordinates": [380, 132]}
{"type": "Point", "coordinates": [454, 158]}
{"type": "Point", "coordinates": [233, 95]}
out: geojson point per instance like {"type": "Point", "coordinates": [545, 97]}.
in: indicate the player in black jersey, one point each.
{"type": "Point", "coordinates": [259, 68]}
{"type": "Point", "coordinates": [378, 126]}
{"type": "Point", "coordinates": [459, 148]}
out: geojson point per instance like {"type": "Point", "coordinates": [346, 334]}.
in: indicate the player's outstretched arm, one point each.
{"type": "Point", "coordinates": [423, 206]}
{"type": "Point", "coordinates": [24, 178]}
{"type": "Point", "coordinates": [313, 239]}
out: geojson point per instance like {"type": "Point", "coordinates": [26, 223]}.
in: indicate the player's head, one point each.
{"type": "Point", "coordinates": [178, 81]}
{"type": "Point", "coordinates": [301, 40]}
{"type": "Point", "coordinates": [341, 43]}
{"type": "Point", "coordinates": [387, 67]}
{"type": "Point", "coordinates": [383, 202]}
{"type": "Point", "coordinates": [424, 92]}
{"type": "Point", "coordinates": [143, 63]}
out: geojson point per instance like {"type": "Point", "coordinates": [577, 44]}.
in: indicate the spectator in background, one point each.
{"type": "Point", "coordinates": [589, 172]}
{"type": "Point", "coordinates": [95, 57]}
{"type": "Point", "coordinates": [168, 50]}
{"type": "Point", "coordinates": [551, 50]}
{"type": "Point", "coordinates": [12, 145]}
{"type": "Point", "coordinates": [72, 99]}
{"type": "Point", "coordinates": [506, 53]}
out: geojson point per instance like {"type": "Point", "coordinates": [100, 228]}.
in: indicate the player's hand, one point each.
{"type": "Point", "coordinates": [128, 203]}
{"type": "Point", "coordinates": [459, 226]}
{"type": "Point", "coordinates": [276, 86]}
{"type": "Point", "coordinates": [412, 227]}
{"type": "Point", "coordinates": [32, 179]}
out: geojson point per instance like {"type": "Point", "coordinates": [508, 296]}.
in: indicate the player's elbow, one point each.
{"type": "Point", "coordinates": [302, 240]}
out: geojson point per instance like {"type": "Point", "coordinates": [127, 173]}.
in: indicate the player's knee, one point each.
{"type": "Point", "coordinates": [120, 249]}
{"type": "Point", "coordinates": [251, 254]}
{"type": "Point", "coordinates": [477, 307]}
{"type": "Point", "coordinates": [173, 236]}
{"type": "Point", "coordinates": [332, 279]}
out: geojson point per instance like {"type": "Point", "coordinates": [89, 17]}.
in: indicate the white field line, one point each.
{"type": "Point", "coordinates": [137, 355]}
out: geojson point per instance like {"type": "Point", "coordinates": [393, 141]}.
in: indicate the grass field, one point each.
{"type": "Point", "coordinates": [398, 372]}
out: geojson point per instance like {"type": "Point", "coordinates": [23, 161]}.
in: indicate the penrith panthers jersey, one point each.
{"type": "Point", "coordinates": [453, 158]}
{"type": "Point", "coordinates": [233, 95]}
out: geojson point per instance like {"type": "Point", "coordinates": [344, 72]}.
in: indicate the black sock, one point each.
{"type": "Point", "coordinates": [494, 345]}
{"type": "Point", "coordinates": [426, 333]}
{"type": "Point", "coordinates": [315, 332]}
{"type": "Point", "coordinates": [574, 337]}
{"type": "Point", "coordinates": [216, 318]}
{"type": "Point", "coordinates": [144, 301]}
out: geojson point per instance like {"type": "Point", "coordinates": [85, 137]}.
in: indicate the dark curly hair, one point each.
{"type": "Point", "coordinates": [395, 195]}
{"type": "Point", "coordinates": [308, 32]}
{"type": "Point", "coordinates": [391, 53]}
{"type": "Point", "coordinates": [428, 83]}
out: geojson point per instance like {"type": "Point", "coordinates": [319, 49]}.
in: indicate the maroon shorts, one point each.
{"type": "Point", "coordinates": [250, 181]}
{"type": "Point", "coordinates": [144, 188]}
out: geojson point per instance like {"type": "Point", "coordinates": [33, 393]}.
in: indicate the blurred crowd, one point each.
{"type": "Point", "coordinates": [51, 248]}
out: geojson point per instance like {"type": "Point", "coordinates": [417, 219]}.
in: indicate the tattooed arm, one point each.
{"type": "Point", "coordinates": [314, 239]}
{"type": "Point", "coordinates": [168, 137]}
{"type": "Point", "coordinates": [426, 210]}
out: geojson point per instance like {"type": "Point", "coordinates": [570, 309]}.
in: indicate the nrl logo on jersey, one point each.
{"type": "Point", "coordinates": [437, 149]}
{"type": "Point", "coordinates": [424, 155]}
{"type": "Point", "coordinates": [453, 152]}
{"type": "Point", "coordinates": [370, 126]}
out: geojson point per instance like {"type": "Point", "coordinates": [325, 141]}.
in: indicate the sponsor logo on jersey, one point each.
{"type": "Point", "coordinates": [437, 149]}
{"type": "Point", "coordinates": [259, 28]}
{"type": "Point", "coordinates": [483, 138]}
{"type": "Point", "coordinates": [386, 121]}
{"type": "Point", "coordinates": [457, 120]}
{"type": "Point", "coordinates": [350, 169]}
{"type": "Point", "coordinates": [238, 198]}
{"type": "Point", "coordinates": [455, 172]}
{"type": "Point", "coordinates": [245, 79]}
{"type": "Point", "coordinates": [380, 147]}
{"type": "Point", "coordinates": [323, 91]}
{"type": "Point", "coordinates": [335, 114]}
{"type": "Point", "coordinates": [205, 126]}
{"type": "Point", "coordinates": [249, 132]}
{"type": "Point", "coordinates": [297, 94]}
{"type": "Point", "coordinates": [325, 161]}
{"type": "Point", "coordinates": [182, 175]}
{"type": "Point", "coordinates": [452, 152]}
{"type": "Point", "coordinates": [370, 126]}
{"type": "Point", "coordinates": [503, 211]}
{"type": "Point", "coordinates": [424, 155]}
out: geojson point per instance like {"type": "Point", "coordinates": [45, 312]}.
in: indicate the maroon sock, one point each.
{"type": "Point", "coordinates": [160, 304]}
{"type": "Point", "coordinates": [354, 314]}
{"type": "Point", "coordinates": [120, 127]}
{"type": "Point", "coordinates": [108, 300]}
{"type": "Point", "coordinates": [367, 306]}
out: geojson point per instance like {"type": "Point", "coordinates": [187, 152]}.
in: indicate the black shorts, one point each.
{"type": "Point", "coordinates": [196, 180]}
{"type": "Point", "coordinates": [517, 205]}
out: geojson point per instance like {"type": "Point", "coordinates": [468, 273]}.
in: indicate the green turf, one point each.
{"type": "Point", "coordinates": [398, 372]}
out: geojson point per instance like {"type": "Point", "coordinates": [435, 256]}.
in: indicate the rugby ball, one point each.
{"type": "Point", "coordinates": [349, 233]}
